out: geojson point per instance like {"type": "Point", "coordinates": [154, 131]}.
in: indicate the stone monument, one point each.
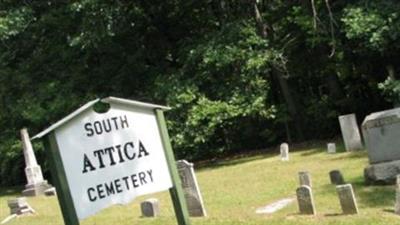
{"type": "Point", "coordinates": [284, 149]}
{"type": "Point", "coordinates": [191, 189]}
{"type": "Point", "coordinates": [381, 131]}
{"type": "Point", "coordinates": [36, 185]}
{"type": "Point", "coordinates": [350, 132]}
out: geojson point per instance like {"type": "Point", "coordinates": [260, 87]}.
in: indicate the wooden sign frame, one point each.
{"type": "Point", "coordinates": [64, 193]}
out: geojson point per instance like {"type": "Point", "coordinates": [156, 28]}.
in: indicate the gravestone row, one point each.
{"type": "Point", "coordinates": [305, 197]}
{"type": "Point", "coordinates": [284, 150]}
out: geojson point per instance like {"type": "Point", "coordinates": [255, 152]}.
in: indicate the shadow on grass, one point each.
{"type": "Point", "coordinates": [309, 152]}
{"type": "Point", "coordinates": [353, 155]}
{"type": "Point", "coordinates": [373, 196]}
{"type": "Point", "coordinates": [333, 214]}
{"type": "Point", "coordinates": [212, 164]}
{"type": "Point", "coordinates": [389, 210]}
{"type": "Point", "coordinates": [10, 191]}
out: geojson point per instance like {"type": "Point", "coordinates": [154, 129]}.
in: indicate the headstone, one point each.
{"type": "Point", "coordinates": [191, 189]}
{"type": "Point", "coordinates": [331, 148]}
{"type": "Point", "coordinates": [381, 132]}
{"type": "Point", "coordinates": [150, 208]}
{"type": "Point", "coordinates": [305, 178]}
{"type": "Point", "coordinates": [397, 204]}
{"type": "Point", "coordinates": [36, 184]}
{"type": "Point", "coordinates": [347, 199]}
{"type": "Point", "coordinates": [305, 200]}
{"type": "Point", "coordinates": [336, 177]}
{"type": "Point", "coordinates": [50, 192]}
{"type": "Point", "coordinates": [350, 132]}
{"type": "Point", "coordinates": [284, 149]}
{"type": "Point", "coordinates": [20, 206]}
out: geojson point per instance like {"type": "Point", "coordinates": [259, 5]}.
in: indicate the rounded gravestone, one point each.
{"type": "Point", "coordinates": [150, 208]}
{"type": "Point", "coordinates": [305, 200]}
{"type": "Point", "coordinates": [305, 178]}
{"type": "Point", "coordinates": [347, 199]}
{"type": "Point", "coordinates": [336, 177]}
{"type": "Point", "coordinates": [284, 150]}
{"type": "Point", "coordinates": [331, 148]}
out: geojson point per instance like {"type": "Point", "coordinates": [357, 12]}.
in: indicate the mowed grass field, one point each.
{"type": "Point", "coordinates": [234, 188]}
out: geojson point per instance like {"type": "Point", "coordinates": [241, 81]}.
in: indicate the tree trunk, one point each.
{"type": "Point", "coordinates": [263, 29]}
{"type": "Point", "coordinates": [335, 89]}
{"type": "Point", "coordinates": [391, 71]}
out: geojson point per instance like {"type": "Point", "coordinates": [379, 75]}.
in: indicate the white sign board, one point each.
{"type": "Point", "coordinates": [110, 158]}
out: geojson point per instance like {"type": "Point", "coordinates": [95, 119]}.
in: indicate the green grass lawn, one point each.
{"type": "Point", "coordinates": [233, 190]}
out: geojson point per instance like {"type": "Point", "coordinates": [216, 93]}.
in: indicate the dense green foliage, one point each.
{"type": "Point", "coordinates": [238, 74]}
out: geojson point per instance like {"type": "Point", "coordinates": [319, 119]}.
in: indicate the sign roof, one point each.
{"type": "Point", "coordinates": [109, 100]}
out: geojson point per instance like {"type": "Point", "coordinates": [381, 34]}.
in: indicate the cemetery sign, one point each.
{"type": "Point", "coordinates": [109, 158]}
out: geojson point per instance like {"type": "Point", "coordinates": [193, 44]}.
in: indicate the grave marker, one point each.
{"type": "Point", "coordinates": [331, 148]}
{"type": "Point", "coordinates": [381, 134]}
{"type": "Point", "coordinates": [336, 177]}
{"type": "Point", "coordinates": [36, 185]}
{"type": "Point", "coordinates": [350, 132]}
{"type": "Point", "coordinates": [305, 178]}
{"type": "Point", "coordinates": [284, 149]}
{"type": "Point", "coordinates": [191, 189]}
{"type": "Point", "coordinates": [20, 206]}
{"type": "Point", "coordinates": [347, 199]}
{"type": "Point", "coordinates": [305, 200]}
{"type": "Point", "coordinates": [150, 208]}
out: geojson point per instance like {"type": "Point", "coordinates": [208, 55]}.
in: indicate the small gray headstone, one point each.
{"type": "Point", "coordinates": [191, 189]}
{"type": "Point", "coordinates": [347, 199]}
{"type": "Point", "coordinates": [305, 200]}
{"type": "Point", "coordinates": [19, 206]}
{"type": "Point", "coordinates": [150, 208]}
{"type": "Point", "coordinates": [336, 177]}
{"type": "Point", "coordinates": [305, 178]}
{"type": "Point", "coordinates": [284, 150]}
{"type": "Point", "coordinates": [50, 192]}
{"type": "Point", "coordinates": [350, 132]}
{"type": "Point", "coordinates": [331, 148]}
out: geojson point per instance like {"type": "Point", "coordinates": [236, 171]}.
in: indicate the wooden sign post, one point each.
{"type": "Point", "coordinates": [101, 159]}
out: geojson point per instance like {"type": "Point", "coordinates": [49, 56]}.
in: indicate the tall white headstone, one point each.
{"type": "Point", "coordinates": [284, 148]}
{"type": "Point", "coordinates": [350, 132]}
{"type": "Point", "coordinates": [36, 184]}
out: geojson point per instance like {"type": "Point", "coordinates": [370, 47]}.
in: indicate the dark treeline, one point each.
{"type": "Point", "coordinates": [239, 74]}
